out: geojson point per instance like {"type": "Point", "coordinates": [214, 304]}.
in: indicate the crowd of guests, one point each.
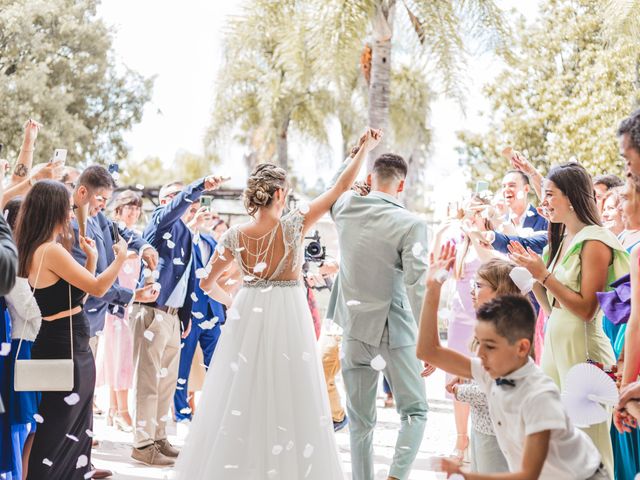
{"type": "Point", "coordinates": [533, 292]}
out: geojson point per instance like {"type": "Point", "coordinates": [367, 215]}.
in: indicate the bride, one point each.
{"type": "Point", "coordinates": [264, 411]}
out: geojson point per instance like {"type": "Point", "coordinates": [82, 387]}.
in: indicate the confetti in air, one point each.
{"type": "Point", "coordinates": [38, 418]}
{"type": "Point", "coordinates": [276, 450]}
{"type": "Point", "coordinates": [416, 249]}
{"type": "Point", "coordinates": [47, 462]}
{"type": "Point", "coordinates": [72, 399]}
{"type": "Point", "coordinates": [352, 303]}
{"type": "Point", "coordinates": [166, 236]}
{"type": "Point", "coordinates": [378, 363]}
{"type": "Point", "coordinates": [83, 461]}
{"type": "Point", "coordinates": [148, 335]}
{"type": "Point", "coordinates": [260, 267]}
{"type": "Point", "coordinates": [5, 348]}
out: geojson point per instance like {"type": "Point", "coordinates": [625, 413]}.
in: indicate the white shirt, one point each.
{"type": "Point", "coordinates": [533, 405]}
{"type": "Point", "coordinates": [24, 311]}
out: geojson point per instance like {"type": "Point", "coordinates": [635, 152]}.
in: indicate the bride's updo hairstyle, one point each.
{"type": "Point", "coordinates": [262, 184]}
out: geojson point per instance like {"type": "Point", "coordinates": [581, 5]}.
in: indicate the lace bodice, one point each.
{"type": "Point", "coordinates": [260, 271]}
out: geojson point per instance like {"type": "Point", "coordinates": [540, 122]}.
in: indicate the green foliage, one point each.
{"type": "Point", "coordinates": [56, 66]}
{"type": "Point", "coordinates": [151, 171]}
{"type": "Point", "coordinates": [562, 96]}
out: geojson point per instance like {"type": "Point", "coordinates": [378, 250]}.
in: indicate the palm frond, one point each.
{"type": "Point", "coordinates": [622, 19]}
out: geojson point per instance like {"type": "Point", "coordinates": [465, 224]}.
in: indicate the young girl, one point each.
{"type": "Point", "coordinates": [492, 280]}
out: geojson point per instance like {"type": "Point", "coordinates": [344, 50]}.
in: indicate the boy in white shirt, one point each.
{"type": "Point", "coordinates": [532, 428]}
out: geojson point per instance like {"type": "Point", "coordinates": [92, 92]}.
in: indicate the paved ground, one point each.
{"type": "Point", "coordinates": [438, 440]}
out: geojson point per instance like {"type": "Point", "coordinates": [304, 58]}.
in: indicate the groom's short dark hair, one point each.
{"type": "Point", "coordinates": [390, 166]}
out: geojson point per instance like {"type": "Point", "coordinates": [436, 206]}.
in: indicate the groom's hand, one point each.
{"type": "Point", "coordinates": [428, 370]}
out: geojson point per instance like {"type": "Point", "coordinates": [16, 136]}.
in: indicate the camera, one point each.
{"type": "Point", "coordinates": [314, 250]}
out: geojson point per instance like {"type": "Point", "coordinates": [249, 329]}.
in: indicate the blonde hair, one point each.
{"type": "Point", "coordinates": [264, 181]}
{"type": "Point", "coordinates": [496, 273]}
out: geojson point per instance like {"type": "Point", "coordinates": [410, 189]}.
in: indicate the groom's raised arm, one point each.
{"type": "Point", "coordinates": [414, 265]}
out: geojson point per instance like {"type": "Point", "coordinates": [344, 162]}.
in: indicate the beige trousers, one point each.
{"type": "Point", "coordinates": [155, 361]}
{"type": "Point", "coordinates": [330, 349]}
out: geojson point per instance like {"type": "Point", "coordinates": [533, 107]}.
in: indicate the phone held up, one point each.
{"type": "Point", "coordinates": [59, 155]}
{"type": "Point", "coordinates": [115, 233]}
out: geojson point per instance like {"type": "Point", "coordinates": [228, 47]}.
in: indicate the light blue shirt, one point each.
{"type": "Point", "coordinates": [179, 294]}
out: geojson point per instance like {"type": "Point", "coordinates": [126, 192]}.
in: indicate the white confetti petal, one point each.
{"type": "Point", "coordinates": [72, 399]}
{"type": "Point", "coordinates": [308, 471]}
{"type": "Point", "coordinates": [378, 363]}
{"type": "Point", "coordinates": [276, 450]}
{"type": "Point", "coordinates": [185, 410]}
{"type": "Point", "coordinates": [208, 324]}
{"type": "Point", "coordinates": [248, 278]}
{"type": "Point", "coordinates": [267, 289]}
{"type": "Point", "coordinates": [139, 186]}
{"type": "Point", "coordinates": [47, 462]}
{"type": "Point", "coordinates": [72, 437]}
{"type": "Point", "coordinates": [304, 208]}
{"type": "Point", "coordinates": [170, 244]}
{"type": "Point", "coordinates": [142, 423]}
{"type": "Point", "coordinates": [260, 267]}
{"type": "Point", "coordinates": [236, 413]}
{"type": "Point", "coordinates": [308, 450]}
{"type": "Point", "coordinates": [201, 273]}
{"type": "Point", "coordinates": [416, 249]}
{"type": "Point", "coordinates": [306, 356]}
{"type": "Point", "coordinates": [83, 461]}
{"type": "Point", "coordinates": [163, 372]}
{"type": "Point", "coordinates": [286, 356]}
{"type": "Point", "coordinates": [158, 318]}
{"type": "Point", "coordinates": [234, 366]}
{"type": "Point", "coordinates": [272, 473]}
{"type": "Point", "coordinates": [182, 381]}
{"type": "Point", "coordinates": [148, 335]}
{"type": "Point", "coordinates": [90, 474]}
{"type": "Point", "coordinates": [257, 309]}
{"type": "Point", "coordinates": [352, 303]}
{"type": "Point", "coordinates": [242, 357]}
{"type": "Point", "coordinates": [198, 315]}
{"type": "Point", "coordinates": [530, 213]}
{"type": "Point", "coordinates": [178, 261]}
{"type": "Point", "coordinates": [98, 333]}
{"type": "Point", "coordinates": [194, 297]}
{"type": "Point", "coordinates": [92, 310]}
{"type": "Point", "coordinates": [231, 467]}
{"type": "Point", "coordinates": [166, 236]}
{"type": "Point", "coordinates": [289, 445]}
{"type": "Point", "coordinates": [239, 249]}
{"type": "Point", "coordinates": [38, 418]}
{"type": "Point", "coordinates": [5, 348]}
{"type": "Point", "coordinates": [89, 433]}
{"type": "Point", "coordinates": [231, 281]}
{"type": "Point", "coordinates": [281, 428]}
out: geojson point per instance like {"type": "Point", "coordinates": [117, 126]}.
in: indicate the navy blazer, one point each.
{"type": "Point", "coordinates": [175, 251]}
{"type": "Point", "coordinates": [117, 298]}
{"type": "Point", "coordinates": [537, 242]}
{"type": "Point", "coordinates": [206, 305]}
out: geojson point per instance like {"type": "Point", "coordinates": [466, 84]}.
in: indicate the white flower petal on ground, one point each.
{"type": "Point", "coordinates": [352, 303]}
{"type": "Point", "coordinates": [378, 363]}
{"type": "Point", "coordinates": [260, 267]}
{"type": "Point", "coordinates": [72, 399]}
{"type": "Point", "coordinates": [148, 334]}
{"type": "Point", "coordinates": [5, 348]}
{"type": "Point", "coordinates": [82, 461]}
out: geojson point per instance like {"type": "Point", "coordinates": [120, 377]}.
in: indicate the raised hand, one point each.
{"type": "Point", "coordinates": [31, 129]}
{"type": "Point", "coordinates": [372, 138]}
{"type": "Point", "coordinates": [48, 171]}
{"type": "Point", "coordinates": [438, 267]}
{"type": "Point", "coordinates": [528, 259]}
{"type": "Point", "coordinates": [213, 182]}
{"type": "Point", "coordinates": [88, 246]}
{"type": "Point", "coordinates": [201, 218]}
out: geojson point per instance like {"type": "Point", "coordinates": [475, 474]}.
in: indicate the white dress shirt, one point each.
{"type": "Point", "coordinates": [533, 405]}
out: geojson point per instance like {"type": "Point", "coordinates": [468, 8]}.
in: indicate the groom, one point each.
{"type": "Point", "coordinates": [377, 301]}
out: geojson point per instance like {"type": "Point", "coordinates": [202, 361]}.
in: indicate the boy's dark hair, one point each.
{"type": "Point", "coordinates": [390, 166]}
{"type": "Point", "coordinates": [610, 181]}
{"type": "Point", "coordinates": [96, 177]}
{"type": "Point", "coordinates": [631, 125]}
{"type": "Point", "coordinates": [524, 176]}
{"type": "Point", "coordinates": [512, 315]}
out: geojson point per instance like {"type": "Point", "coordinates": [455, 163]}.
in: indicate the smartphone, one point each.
{"type": "Point", "coordinates": [481, 186]}
{"type": "Point", "coordinates": [206, 201]}
{"type": "Point", "coordinates": [115, 233]}
{"type": "Point", "coordinates": [59, 154]}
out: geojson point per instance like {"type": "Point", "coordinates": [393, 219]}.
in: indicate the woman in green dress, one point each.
{"type": "Point", "coordinates": [582, 258]}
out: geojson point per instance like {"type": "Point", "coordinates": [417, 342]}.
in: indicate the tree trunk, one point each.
{"type": "Point", "coordinates": [282, 144]}
{"type": "Point", "coordinates": [379, 88]}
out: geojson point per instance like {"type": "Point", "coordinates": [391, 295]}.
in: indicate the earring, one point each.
{"type": "Point", "coordinates": [571, 207]}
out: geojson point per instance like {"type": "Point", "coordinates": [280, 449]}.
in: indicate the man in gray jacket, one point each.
{"type": "Point", "coordinates": [377, 300]}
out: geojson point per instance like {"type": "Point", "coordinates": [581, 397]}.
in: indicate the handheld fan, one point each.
{"type": "Point", "coordinates": [586, 390]}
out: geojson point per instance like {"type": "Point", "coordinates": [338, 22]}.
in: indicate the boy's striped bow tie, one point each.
{"type": "Point", "coordinates": [505, 381]}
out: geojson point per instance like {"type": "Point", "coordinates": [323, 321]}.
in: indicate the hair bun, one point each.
{"type": "Point", "coordinates": [260, 195]}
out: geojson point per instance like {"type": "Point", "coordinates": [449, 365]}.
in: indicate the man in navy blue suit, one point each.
{"type": "Point", "coordinates": [207, 315]}
{"type": "Point", "coordinates": [157, 325]}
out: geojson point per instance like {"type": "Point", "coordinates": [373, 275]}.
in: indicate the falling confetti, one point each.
{"type": "Point", "coordinates": [308, 471]}
{"type": "Point", "coordinates": [308, 450]}
{"type": "Point", "coordinates": [282, 429]}
{"type": "Point", "coordinates": [83, 461]}
{"type": "Point", "coordinates": [185, 410]}
{"type": "Point", "coordinates": [286, 356]}
{"type": "Point", "coordinates": [170, 244]}
{"type": "Point", "coordinates": [530, 213]}
{"type": "Point", "coordinates": [352, 303]}
{"type": "Point", "coordinates": [272, 473]}
{"type": "Point", "coordinates": [194, 297]}
{"type": "Point", "coordinates": [72, 437]}
{"type": "Point", "coordinates": [231, 467]}
{"type": "Point", "coordinates": [378, 363]}
{"type": "Point", "coordinates": [242, 357]}
{"type": "Point", "coordinates": [416, 249]}
{"type": "Point", "coordinates": [234, 366]}
{"type": "Point", "coordinates": [178, 261]}
{"type": "Point", "coordinates": [236, 413]}
{"type": "Point", "coordinates": [198, 315]}
{"type": "Point", "coordinates": [139, 186]}
{"type": "Point", "coordinates": [89, 433]}
{"type": "Point", "coordinates": [304, 208]}
{"type": "Point", "coordinates": [268, 289]}
{"type": "Point", "coordinates": [257, 309]}
{"type": "Point", "coordinates": [158, 318]}
{"type": "Point", "coordinates": [47, 462]}
{"type": "Point", "coordinates": [148, 334]}
{"type": "Point", "coordinates": [163, 372]}
{"type": "Point", "coordinates": [276, 450]}
{"type": "Point", "coordinates": [289, 445]}
{"type": "Point", "coordinates": [72, 399]}
{"type": "Point", "coordinates": [231, 281]}
{"type": "Point", "coordinates": [182, 381]}
{"type": "Point", "coordinates": [5, 348]}
{"type": "Point", "coordinates": [166, 236]}
{"type": "Point", "coordinates": [239, 249]}
{"type": "Point", "coordinates": [260, 267]}
{"type": "Point", "coordinates": [201, 273]}
{"type": "Point", "coordinates": [38, 418]}
{"type": "Point", "coordinates": [142, 423]}
{"type": "Point", "coordinates": [208, 324]}
{"type": "Point", "coordinates": [248, 278]}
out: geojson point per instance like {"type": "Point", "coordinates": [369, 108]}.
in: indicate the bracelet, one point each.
{"type": "Point", "coordinates": [546, 278]}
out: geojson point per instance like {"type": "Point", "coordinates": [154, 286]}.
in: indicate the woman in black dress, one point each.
{"type": "Point", "coordinates": [62, 444]}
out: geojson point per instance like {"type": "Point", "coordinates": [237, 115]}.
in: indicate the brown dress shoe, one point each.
{"type": "Point", "coordinates": [167, 449]}
{"type": "Point", "coordinates": [101, 473]}
{"type": "Point", "coordinates": [151, 455]}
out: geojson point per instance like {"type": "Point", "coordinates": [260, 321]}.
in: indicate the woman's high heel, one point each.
{"type": "Point", "coordinates": [122, 424]}
{"type": "Point", "coordinates": [110, 415]}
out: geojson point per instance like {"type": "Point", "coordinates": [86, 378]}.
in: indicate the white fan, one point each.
{"type": "Point", "coordinates": [586, 390]}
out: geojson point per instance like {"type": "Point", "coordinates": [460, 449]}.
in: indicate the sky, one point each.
{"type": "Point", "coordinates": [180, 43]}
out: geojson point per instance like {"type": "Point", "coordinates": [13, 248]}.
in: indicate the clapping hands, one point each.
{"type": "Point", "coordinates": [528, 259]}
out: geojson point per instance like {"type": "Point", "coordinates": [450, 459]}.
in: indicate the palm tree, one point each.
{"type": "Point", "coordinates": [622, 18]}
{"type": "Point", "coordinates": [441, 28]}
{"type": "Point", "coordinates": [268, 83]}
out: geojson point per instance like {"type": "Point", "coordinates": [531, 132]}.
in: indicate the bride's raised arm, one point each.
{"type": "Point", "coordinates": [321, 205]}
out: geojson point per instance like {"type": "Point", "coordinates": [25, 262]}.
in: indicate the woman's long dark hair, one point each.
{"type": "Point", "coordinates": [44, 209]}
{"type": "Point", "coordinates": [574, 181]}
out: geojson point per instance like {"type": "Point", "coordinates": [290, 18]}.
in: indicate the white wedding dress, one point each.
{"type": "Point", "coordinates": [264, 411]}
